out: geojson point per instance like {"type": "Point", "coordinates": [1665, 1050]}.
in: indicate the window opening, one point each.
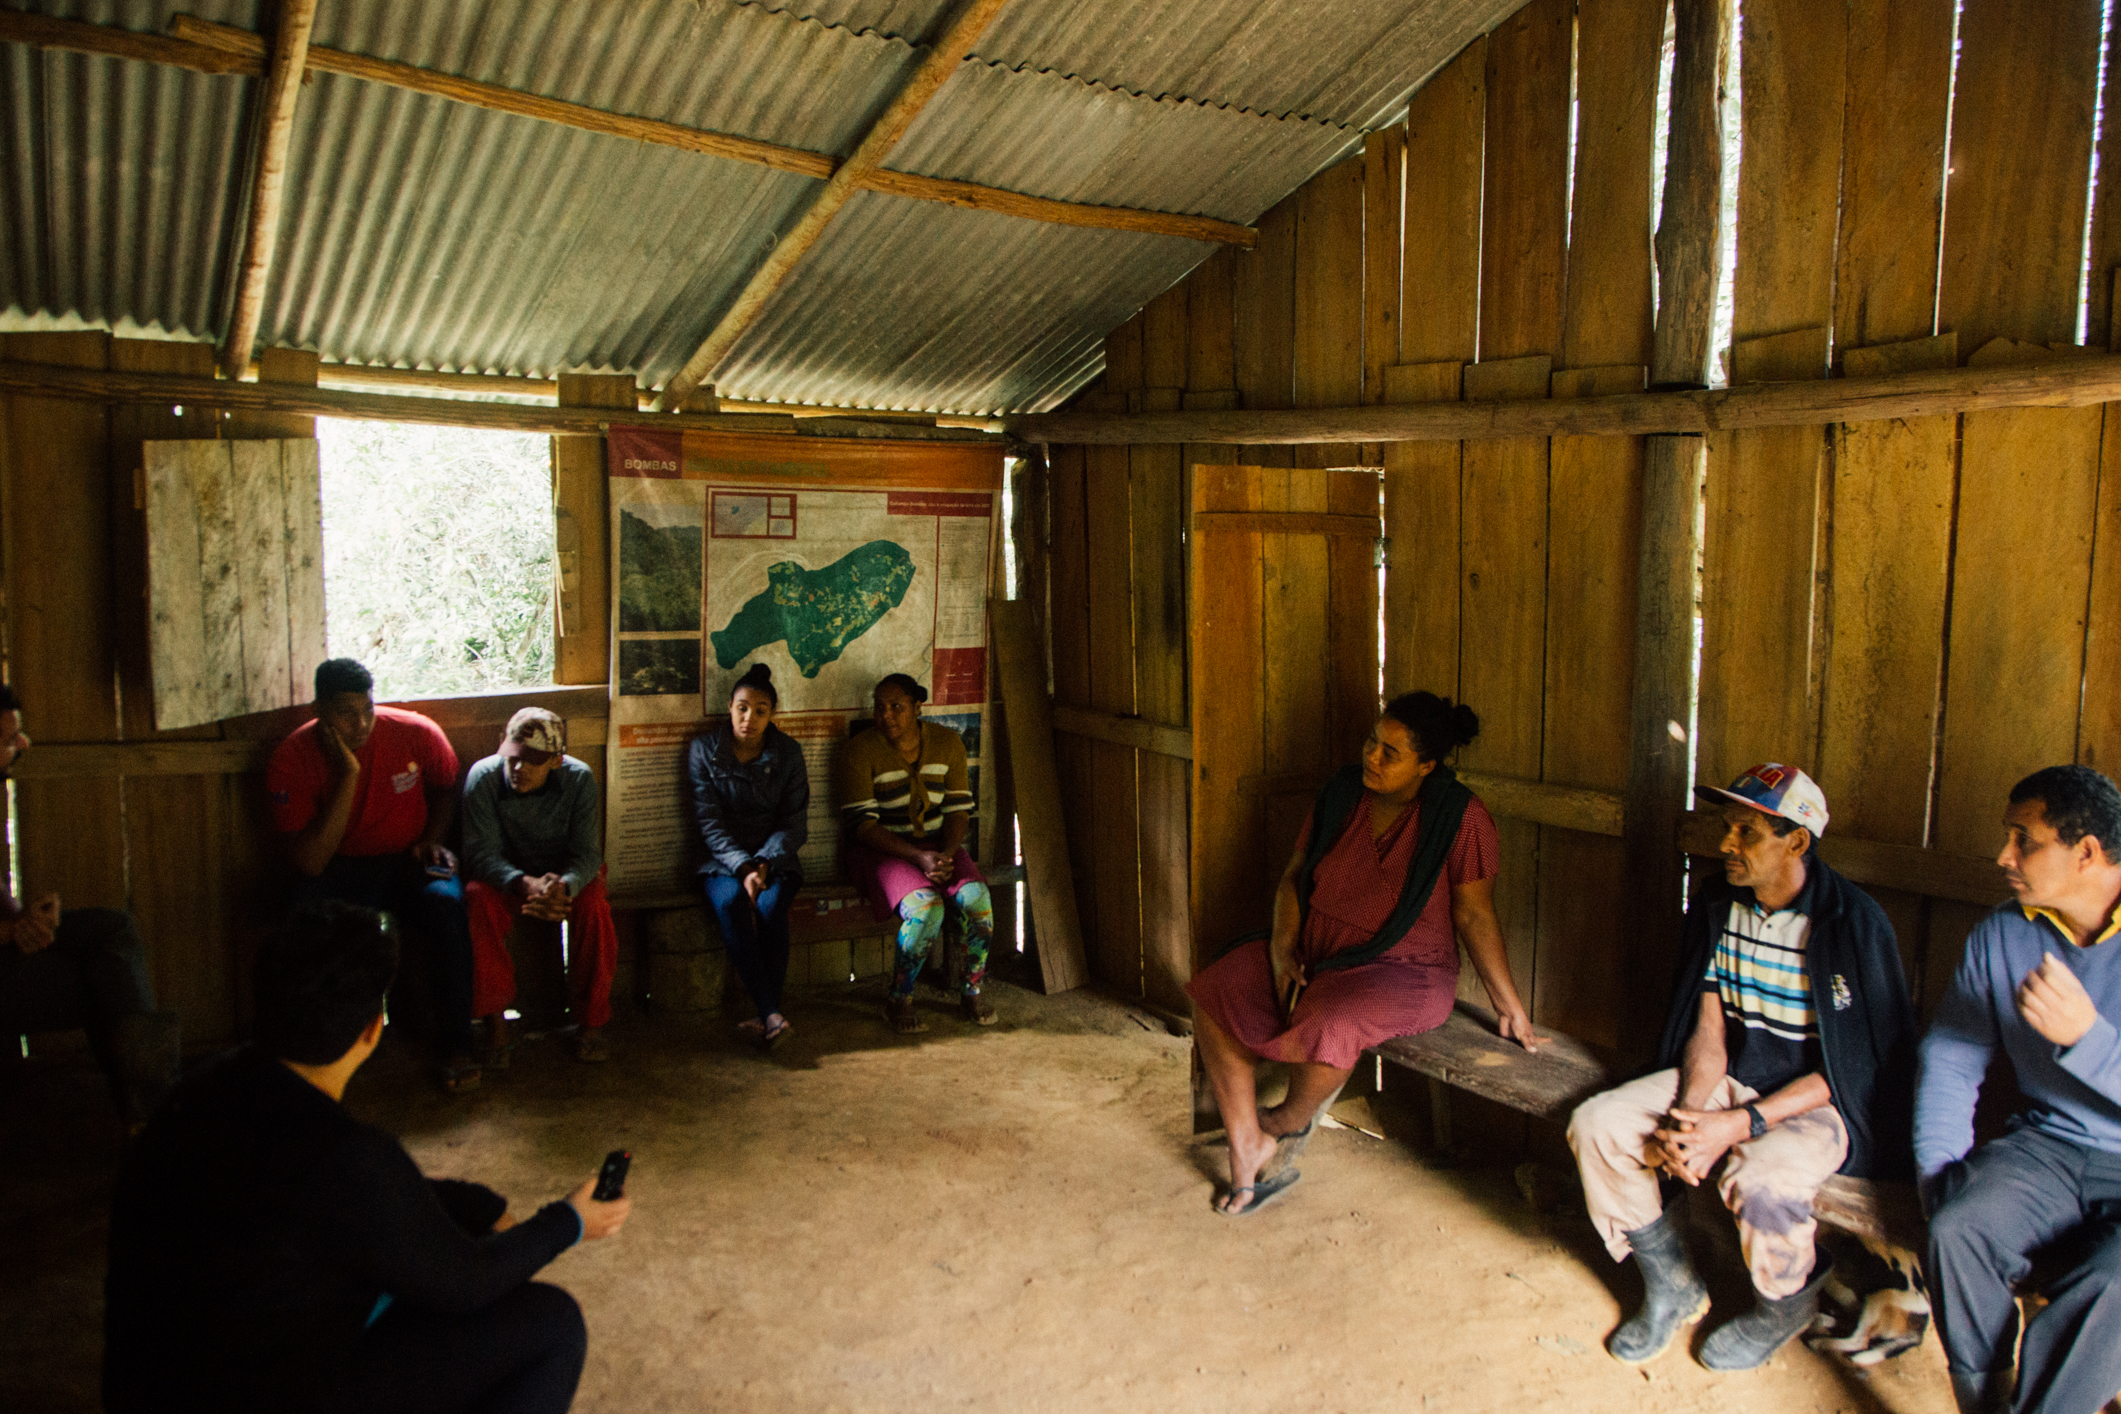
{"type": "Point", "coordinates": [438, 555]}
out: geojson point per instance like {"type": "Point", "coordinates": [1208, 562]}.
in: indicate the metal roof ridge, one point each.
{"type": "Point", "coordinates": [1174, 99]}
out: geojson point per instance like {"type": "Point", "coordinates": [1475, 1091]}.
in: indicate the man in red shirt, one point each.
{"type": "Point", "coordinates": [364, 795]}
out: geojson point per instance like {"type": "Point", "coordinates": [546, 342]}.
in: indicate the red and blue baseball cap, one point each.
{"type": "Point", "coordinates": [1776, 790]}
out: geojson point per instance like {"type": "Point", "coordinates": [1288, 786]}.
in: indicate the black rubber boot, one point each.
{"type": "Point", "coordinates": [1747, 1342]}
{"type": "Point", "coordinates": [1988, 1393]}
{"type": "Point", "coordinates": [1673, 1298]}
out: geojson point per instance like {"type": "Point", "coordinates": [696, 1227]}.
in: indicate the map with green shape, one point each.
{"type": "Point", "coordinates": [818, 612]}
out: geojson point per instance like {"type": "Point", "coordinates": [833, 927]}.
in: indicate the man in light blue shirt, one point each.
{"type": "Point", "coordinates": [2040, 980]}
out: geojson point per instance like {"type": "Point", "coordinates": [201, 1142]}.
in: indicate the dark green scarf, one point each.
{"type": "Point", "coordinates": [1442, 802]}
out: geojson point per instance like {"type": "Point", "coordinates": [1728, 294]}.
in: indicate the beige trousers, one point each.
{"type": "Point", "coordinates": [1768, 1183]}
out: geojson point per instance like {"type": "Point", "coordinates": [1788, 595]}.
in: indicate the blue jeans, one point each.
{"type": "Point", "coordinates": [757, 939]}
{"type": "Point", "coordinates": [431, 909]}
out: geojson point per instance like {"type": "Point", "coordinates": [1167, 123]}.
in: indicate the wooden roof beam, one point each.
{"type": "Point", "coordinates": [276, 123]}
{"type": "Point", "coordinates": [2068, 382]}
{"type": "Point", "coordinates": [966, 26]}
{"type": "Point", "coordinates": [965, 195]}
{"type": "Point", "coordinates": [210, 48]}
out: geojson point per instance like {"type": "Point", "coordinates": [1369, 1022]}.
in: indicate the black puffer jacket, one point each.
{"type": "Point", "coordinates": [750, 810]}
{"type": "Point", "coordinates": [1867, 1028]}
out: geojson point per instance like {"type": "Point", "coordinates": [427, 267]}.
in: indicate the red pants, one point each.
{"type": "Point", "coordinates": [592, 950]}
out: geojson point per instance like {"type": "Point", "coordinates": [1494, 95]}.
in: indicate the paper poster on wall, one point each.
{"type": "Point", "coordinates": [834, 562]}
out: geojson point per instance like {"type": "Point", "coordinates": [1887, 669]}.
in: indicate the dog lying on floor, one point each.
{"type": "Point", "coordinates": [1874, 1306]}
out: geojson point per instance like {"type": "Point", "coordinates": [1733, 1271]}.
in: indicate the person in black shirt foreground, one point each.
{"type": "Point", "coordinates": [270, 1252]}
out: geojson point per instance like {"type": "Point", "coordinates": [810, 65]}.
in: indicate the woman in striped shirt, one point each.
{"type": "Point", "coordinates": [906, 798]}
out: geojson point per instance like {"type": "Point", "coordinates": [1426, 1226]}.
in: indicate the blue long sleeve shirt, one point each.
{"type": "Point", "coordinates": [555, 829]}
{"type": "Point", "coordinates": [2071, 1092]}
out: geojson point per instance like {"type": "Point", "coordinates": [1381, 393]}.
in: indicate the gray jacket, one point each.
{"type": "Point", "coordinates": [750, 810]}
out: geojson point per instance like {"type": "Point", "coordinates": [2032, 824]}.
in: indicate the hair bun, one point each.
{"type": "Point", "coordinates": [1465, 724]}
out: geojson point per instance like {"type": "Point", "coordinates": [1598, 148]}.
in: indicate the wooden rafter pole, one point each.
{"type": "Point", "coordinates": [1660, 745]}
{"type": "Point", "coordinates": [963, 31]}
{"type": "Point", "coordinates": [210, 48]}
{"type": "Point", "coordinates": [2072, 382]}
{"type": "Point", "coordinates": [276, 123]}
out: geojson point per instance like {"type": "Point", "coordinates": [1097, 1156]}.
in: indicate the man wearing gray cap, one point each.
{"type": "Point", "coordinates": [1786, 1058]}
{"type": "Point", "coordinates": [533, 844]}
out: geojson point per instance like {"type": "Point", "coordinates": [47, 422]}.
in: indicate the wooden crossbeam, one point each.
{"type": "Point", "coordinates": [2070, 382]}
{"type": "Point", "coordinates": [275, 128]}
{"type": "Point", "coordinates": [211, 48]}
{"type": "Point", "coordinates": [54, 381]}
{"type": "Point", "coordinates": [963, 31]}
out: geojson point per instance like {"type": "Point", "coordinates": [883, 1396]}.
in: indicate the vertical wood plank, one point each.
{"type": "Point", "coordinates": [1503, 608]}
{"type": "Point", "coordinates": [302, 533]}
{"type": "Point", "coordinates": [1327, 362]}
{"type": "Point", "coordinates": [2020, 162]}
{"type": "Point", "coordinates": [1524, 209]}
{"type": "Point", "coordinates": [61, 642]}
{"type": "Point", "coordinates": [1294, 579]}
{"type": "Point", "coordinates": [1069, 566]}
{"type": "Point", "coordinates": [2028, 492]}
{"type": "Point", "coordinates": [2099, 733]}
{"type": "Point", "coordinates": [1889, 565]}
{"type": "Point", "coordinates": [2105, 252]}
{"type": "Point", "coordinates": [1758, 592]}
{"type": "Point", "coordinates": [1229, 895]}
{"type": "Point", "coordinates": [1164, 339]}
{"type": "Point", "coordinates": [581, 502]}
{"type": "Point", "coordinates": [1351, 616]}
{"type": "Point", "coordinates": [1384, 156]}
{"type": "Point", "coordinates": [1115, 944]}
{"type": "Point", "coordinates": [1422, 531]}
{"type": "Point", "coordinates": [176, 611]}
{"type": "Point", "coordinates": [213, 491]}
{"type": "Point", "coordinates": [1123, 356]}
{"type": "Point", "coordinates": [1594, 518]}
{"type": "Point", "coordinates": [259, 525]}
{"type": "Point", "coordinates": [1211, 322]}
{"type": "Point", "coordinates": [133, 425]}
{"type": "Point", "coordinates": [1892, 187]}
{"type": "Point", "coordinates": [1156, 486]}
{"type": "Point", "coordinates": [1795, 60]}
{"type": "Point", "coordinates": [1266, 312]}
{"type": "Point", "coordinates": [1439, 302]}
{"type": "Point", "coordinates": [1607, 321]}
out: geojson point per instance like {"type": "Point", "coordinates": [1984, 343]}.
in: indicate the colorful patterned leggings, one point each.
{"type": "Point", "coordinates": [921, 923]}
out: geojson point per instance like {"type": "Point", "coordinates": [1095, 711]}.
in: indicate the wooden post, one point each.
{"type": "Point", "coordinates": [276, 122]}
{"type": "Point", "coordinates": [1659, 746]}
{"type": "Point", "coordinates": [581, 621]}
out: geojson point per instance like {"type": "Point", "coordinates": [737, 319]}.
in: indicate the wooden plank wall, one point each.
{"type": "Point", "coordinates": [1863, 587]}
{"type": "Point", "coordinates": [192, 855]}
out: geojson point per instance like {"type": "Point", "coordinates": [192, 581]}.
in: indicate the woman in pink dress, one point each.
{"type": "Point", "coordinates": [1364, 944]}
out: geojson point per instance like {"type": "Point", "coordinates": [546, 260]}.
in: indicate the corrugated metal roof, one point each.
{"type": "Point", "coordinates": [1350, 61]}
{"type": "Point", "coordinates": [423, 232]}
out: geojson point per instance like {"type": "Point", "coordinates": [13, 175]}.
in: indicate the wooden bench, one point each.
{"type": "Point", "coordinates": [1467, 1054]}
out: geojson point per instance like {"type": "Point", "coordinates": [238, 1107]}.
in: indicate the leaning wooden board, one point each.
{"type": "Point", "coordinates": [1467, 1054]}
{"type": "Point", "coordinates": [1031, 761]}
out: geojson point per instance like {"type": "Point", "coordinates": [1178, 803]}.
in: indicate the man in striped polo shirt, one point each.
{"type": "Point", "coordinates": [1787, 1057]}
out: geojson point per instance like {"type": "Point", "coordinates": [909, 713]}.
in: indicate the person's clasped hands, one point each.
{"type": "Point", "coordinates": [546, 897]}
{"type": "Point", "coordinates": [36, 924]}
{"type": "Point", "coordinates": [1689, 1142]}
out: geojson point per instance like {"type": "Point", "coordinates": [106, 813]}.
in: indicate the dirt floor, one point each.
{"type": "Point", "coordinates": [1009, 1219]}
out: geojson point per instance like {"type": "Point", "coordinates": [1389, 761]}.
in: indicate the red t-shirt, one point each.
{"type": "Point", "coordinates": [405, 757]}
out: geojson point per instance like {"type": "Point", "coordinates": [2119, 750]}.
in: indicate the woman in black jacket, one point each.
{"type": "Point", "coordinates": [751, 795]}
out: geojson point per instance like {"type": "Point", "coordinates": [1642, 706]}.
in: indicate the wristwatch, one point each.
{"type": "Point", "coordinates": [1752, 1113]}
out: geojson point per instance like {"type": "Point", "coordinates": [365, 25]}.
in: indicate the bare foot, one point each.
{"type": "Point", "coordinates": [1248, 1155]}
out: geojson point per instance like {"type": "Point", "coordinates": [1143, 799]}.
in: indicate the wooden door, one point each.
{"type": "Point", "coordinates": [1285, 672]}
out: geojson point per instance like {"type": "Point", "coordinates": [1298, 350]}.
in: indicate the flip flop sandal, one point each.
{"type": "Point", "coordinates": [1288, 1146]}
{"type": "Point", "coordinates": [1263, 1191]}
{"type": "Point", "coordinates": [770, 1036]}
{"type": "Point", "coordinates": [903, 1018]}
{"type": "Point", "coordinates": [458, 1077]}
{"type": "Point", "coordinates": [976, 1011]}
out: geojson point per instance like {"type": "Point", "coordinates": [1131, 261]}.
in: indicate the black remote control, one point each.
{"type": "Point", "coordinates": [611, 1179]}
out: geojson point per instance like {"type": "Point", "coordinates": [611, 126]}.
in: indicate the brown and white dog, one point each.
{"type": "Point", "coordinates": [1874, 1306]}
